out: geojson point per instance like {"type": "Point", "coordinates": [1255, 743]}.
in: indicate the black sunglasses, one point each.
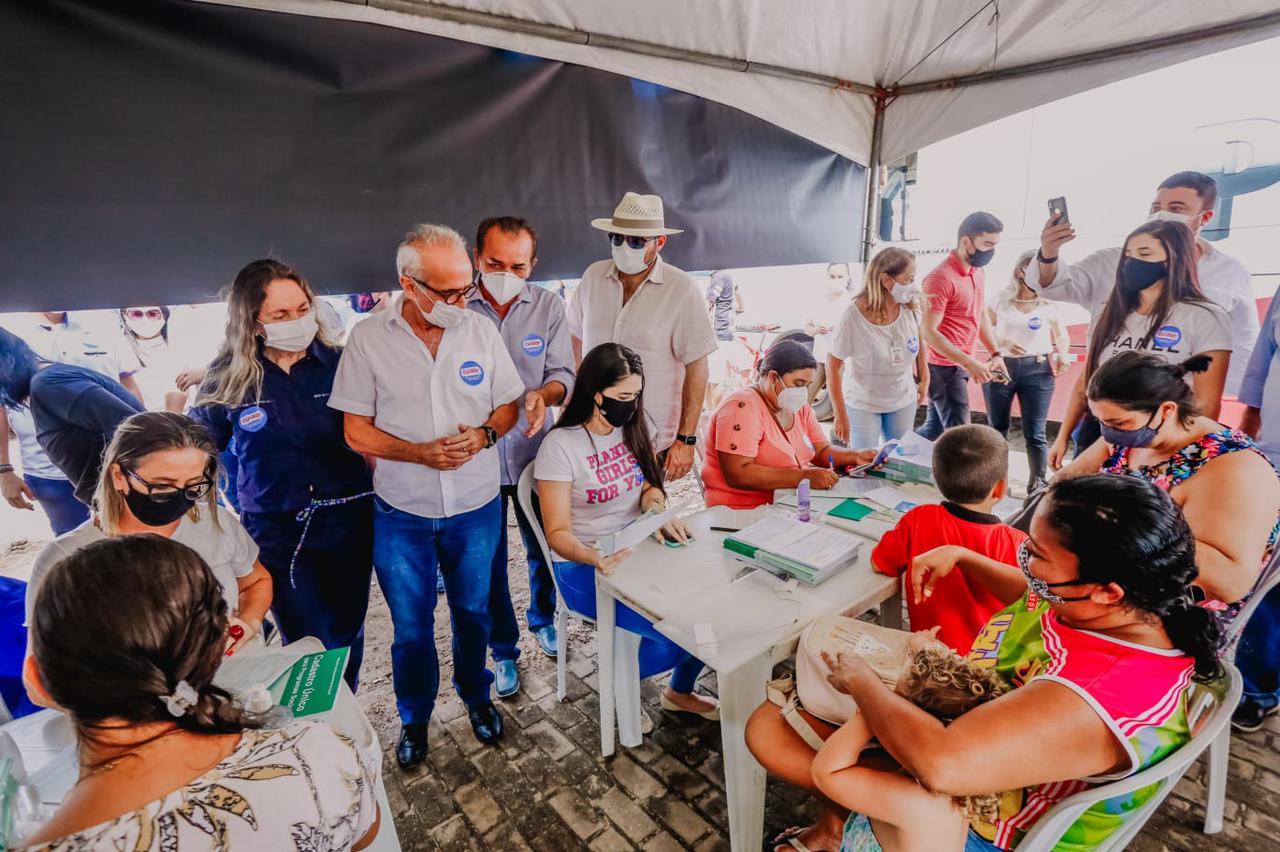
{"type": "Point", "coordinates": [192, 492]}
{"type": "Point", "coordinates": [632, 242]}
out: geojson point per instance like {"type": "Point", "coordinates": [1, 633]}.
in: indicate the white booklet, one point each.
{"type": "Point", "coordinates": [636, 531]}
{"type": "Point", "coordinates": [815, 545]}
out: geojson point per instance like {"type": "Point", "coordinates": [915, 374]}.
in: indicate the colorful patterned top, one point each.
{"type": "Point", "coordinates": [1139, 692]}
{"type": "Point", "coordinates": [1179, 467]}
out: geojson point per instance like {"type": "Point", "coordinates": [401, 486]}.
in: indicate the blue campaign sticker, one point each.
{"type": "Point", "coordinates": [913, 345]}
{"type": "Point", "coordinates": [1035, 323]}
{"type": "Point", "coordinates": [533, 345]}
{"type": "Point", "coordinates": [1167, 337]}
{"type": "Point", "coordinates": [253, 418]}
{"type": "Point", "coordinates": [471, 373]}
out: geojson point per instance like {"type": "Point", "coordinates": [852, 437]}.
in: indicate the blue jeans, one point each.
{"type": "Point", "coordinates": [1259, 656]}
{"type": "Point", "coordinates": [948, 400]}
{"type": "Point", "coordinates": [1031, 381]}
{"type": "Point", "coordinates": [657, 652]}
{"type": "Point", "coordinates": [869, 429]}
{"type": "Point", "coordinates": [328, 594]}
{"type": "Point", "coordinates": [542, 590]}
{"type": "Point", "coordinates": [58, 499]}
{"type": "Point", "coordinates": [408, 549]}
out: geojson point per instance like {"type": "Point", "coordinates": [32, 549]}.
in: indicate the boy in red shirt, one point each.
{"type": "Point", "coordinates": [971, 468]}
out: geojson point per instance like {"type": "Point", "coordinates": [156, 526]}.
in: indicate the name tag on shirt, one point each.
{"type": "Point", "coordinates": [533, 345]}
{"type": "Point", "coordinates": [471, 373]}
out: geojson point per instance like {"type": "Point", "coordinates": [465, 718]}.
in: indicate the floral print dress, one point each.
{"type": "Point", "coordinates": [301, 788]}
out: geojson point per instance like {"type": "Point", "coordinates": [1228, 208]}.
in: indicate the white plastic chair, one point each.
{"type": "Point", "coordinates": [1049, 828]}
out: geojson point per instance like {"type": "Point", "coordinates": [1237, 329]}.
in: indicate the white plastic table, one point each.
{"type": "Point", "coordinates": [45, 739]}
{"type": "Point", "coordinates": [702, 583]}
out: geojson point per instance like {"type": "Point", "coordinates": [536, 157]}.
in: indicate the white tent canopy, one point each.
{"type": "Point", "coordinates": [873, 80]}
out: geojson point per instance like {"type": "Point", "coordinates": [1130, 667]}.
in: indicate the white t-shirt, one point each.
{"type": "Point", "coordinates": [607, 482]}
{"type": "Point", "coordinates": [229, 551]}
{"type": "Point", "coordinates": [301, 787]}
{"type": "Point", "coordinates": [1189, 329]}
{"type": "Point", "coordinates": [1030, 330]}
{"type": "Point", "coordinates": [877, 360]}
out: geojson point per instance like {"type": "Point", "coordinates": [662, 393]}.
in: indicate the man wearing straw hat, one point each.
{"type": "Point", "coordinates": [644, 303]}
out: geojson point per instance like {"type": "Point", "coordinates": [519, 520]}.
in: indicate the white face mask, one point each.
{"type": "Point", "coordinates": [145, 328]}
{"type": "Point", "coordinates": [793, 399]}
{"type": "Point", "coordinates": [441, 314]}
{"type": "Point", "coordinates": [502, 286]}
{"type": "Point", "coordinates": [630, 261]}
{"type": "Point", "coordinates": [903, 293]}
{"type": "Point", "coordinates": [291, 335]}
{"type": "Point", "coordinates": [1169, 216]}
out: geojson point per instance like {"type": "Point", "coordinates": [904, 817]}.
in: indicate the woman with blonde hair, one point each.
{"type": "Point", "coordinates": [1029, 331]}
{"type": "Point", "coordinates": [158, 474]}
{"type": "Point", "coordinates": [874, 390]}
{"type": "Point", "coordinates": [305, 496]}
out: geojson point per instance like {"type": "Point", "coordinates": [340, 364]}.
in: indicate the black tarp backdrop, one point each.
{"type": "Point", "coordinates": [149, 149]}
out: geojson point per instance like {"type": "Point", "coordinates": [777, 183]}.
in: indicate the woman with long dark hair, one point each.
{"type": "Point", "coordinates": [127, 636]}
{"type": "Point", "coordinates": [1156, 307]}
{"type": "Point", "coordinates": [304, 495]}
{"type": "Point", "coordinates": [1099, 643]}
{"type": "Point", "coordinates": [597, 472]}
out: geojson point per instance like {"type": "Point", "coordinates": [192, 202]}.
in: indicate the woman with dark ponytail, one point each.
{"type": "Point", "coordinates": [1100, 642]}
{"type": "Point", "coordinates": [127, 637]}
{"type": "Point", "coordinates": [1153, 429]}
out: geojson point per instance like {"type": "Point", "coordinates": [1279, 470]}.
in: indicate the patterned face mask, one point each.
{"type": "Point", "coordinates": [1040, 587]}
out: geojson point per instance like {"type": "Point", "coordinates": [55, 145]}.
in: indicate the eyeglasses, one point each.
{"type": "Point", "coordinates": [632, 242]}
{"type": "Point", "coordinates": [449, 297]}
{"type": "Point", "coordinates": [139, 313]}
{"type": "Point", "coordinates": [162, 492]}
{"type": "Point", "coordinates": [1040, 587]}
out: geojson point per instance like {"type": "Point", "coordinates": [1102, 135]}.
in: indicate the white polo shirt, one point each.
{"type": "Point", "coordinates": [665, 323]}
{"type": "Point", "coordinates": [387, 373]}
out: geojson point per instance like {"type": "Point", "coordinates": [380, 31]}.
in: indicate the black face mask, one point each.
{"type": "Point", "coordinates": [981, 258]}
{"type": "Point", "coordinates": [618, 412]}
{"type": "Point", "coordinates": [157, 512]}
{"type": "Point", "coordinates": [1137, 275]}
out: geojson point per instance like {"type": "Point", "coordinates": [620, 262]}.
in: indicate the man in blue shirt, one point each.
{"type": "Point", "coordinates": [532, 324]}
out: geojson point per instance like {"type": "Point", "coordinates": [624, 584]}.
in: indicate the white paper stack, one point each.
{"type": "Point", "coordinates": [789, 548]}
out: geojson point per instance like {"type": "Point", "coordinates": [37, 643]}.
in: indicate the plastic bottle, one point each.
{"type": "Point", "coordinates": [259, 704]}
{"type": "Point", "coordinates": [802, 500]}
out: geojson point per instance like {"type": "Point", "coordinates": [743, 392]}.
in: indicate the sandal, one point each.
{"type": "Point", "coordinates": [791, 839]}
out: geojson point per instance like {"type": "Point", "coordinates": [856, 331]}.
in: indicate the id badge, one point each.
{"type": "Point", "coordinates": [897, 355]}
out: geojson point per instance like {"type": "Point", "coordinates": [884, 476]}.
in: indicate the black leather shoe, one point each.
{"type": "Point", "coordinates": [486, 721]}
{"type": "Point", "coordinates": [412, 749]}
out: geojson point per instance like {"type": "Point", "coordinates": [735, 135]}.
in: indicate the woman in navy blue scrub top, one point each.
{"type": "Point", "coordinates": [305, 497]}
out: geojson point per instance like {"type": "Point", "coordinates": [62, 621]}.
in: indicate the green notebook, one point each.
{"type": "Point", "coordinates": [311, 685]}
{"type": "Point", "coordinates": [852, 510]}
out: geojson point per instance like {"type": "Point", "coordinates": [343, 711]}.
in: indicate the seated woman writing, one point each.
{"type": "Point", "coordinates": [127, 635]}
{"type": "Point", "coordinates": [158, 476]}
{"type": "Point", "coordinates": [1100, 654]}
{"type": "Point", "coordinates": [596, 472]}
{"type": "Point", "coordinates": [766, 436]}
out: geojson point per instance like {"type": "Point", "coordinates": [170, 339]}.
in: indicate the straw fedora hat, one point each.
{"type": "Point", "coordinates": [636, 216]}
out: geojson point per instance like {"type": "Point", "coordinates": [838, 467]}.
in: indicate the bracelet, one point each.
{"type": "Point", "coordinates": [1040, 257]}
{"type": "Point", "coordinates": [6, 468]}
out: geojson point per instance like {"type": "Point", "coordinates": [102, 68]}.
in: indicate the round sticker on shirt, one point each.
{"type": "Point", "coordinates": [471, 373]}
{"type": "Point", "coordinates": [253, 418]}
{"type": "Point", "coordinates": [1167, 337]}
{"type": "Point", "coordinates": [913, 345]}
{"type": "Point", "coordinates": [1035, 323]}
{"type": "Point", "coordinates": [533, 345]}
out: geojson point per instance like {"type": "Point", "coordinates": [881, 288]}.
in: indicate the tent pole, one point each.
{"type": "Point", "coordinates": [871, 216]}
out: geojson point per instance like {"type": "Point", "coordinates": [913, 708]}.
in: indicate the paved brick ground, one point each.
{"type": "Point", "coordinates": [547, 788]}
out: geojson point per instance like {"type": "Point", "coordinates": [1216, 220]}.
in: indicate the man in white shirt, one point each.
{"type": "Point", "coordinates": [428, 388]}
{"type": "Point", "coordinates": [656, 310]}
{"type": "Point", "coordinates": [1186, 197]}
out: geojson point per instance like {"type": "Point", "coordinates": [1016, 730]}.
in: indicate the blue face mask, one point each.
{"type": "Point", "coordinates": [1132, 438]}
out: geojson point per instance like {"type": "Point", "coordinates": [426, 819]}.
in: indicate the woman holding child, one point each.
{"type": "Point", "coordinates": [1100, 631]}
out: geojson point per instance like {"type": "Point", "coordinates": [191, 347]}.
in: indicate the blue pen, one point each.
{"type": "Point", "coordinates": [831, 460]}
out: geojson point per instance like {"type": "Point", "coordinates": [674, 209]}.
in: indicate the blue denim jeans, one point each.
{"type": "Point", "coordinates": [948, 400]}
{"type": "Point", "coordinates": [542, 590]}
{"type": "Point", "coordinates": [870, 429]}
{"type": "Point", "coordinates": [328, 594]}
{"type": "Point", "coordinates": [657, 653]}
{"type": "Point", "coordinates": [1031, 381]}
{"type": "Point", "coordinates": [58, 499]}
{"type": "Point", "coordinates": [1259, 656]}
{"type": "Point", "coordinates": [408, 550]}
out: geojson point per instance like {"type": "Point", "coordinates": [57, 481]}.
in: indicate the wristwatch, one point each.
{"type": "Point", "coordinates": [1040, 257]}
{"type": "Point", "coordinates": [6, 468]}
{"type": "Point", "coordinates": [688, 440]}
{"type": "Point", "coordinates": [490, 436]}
